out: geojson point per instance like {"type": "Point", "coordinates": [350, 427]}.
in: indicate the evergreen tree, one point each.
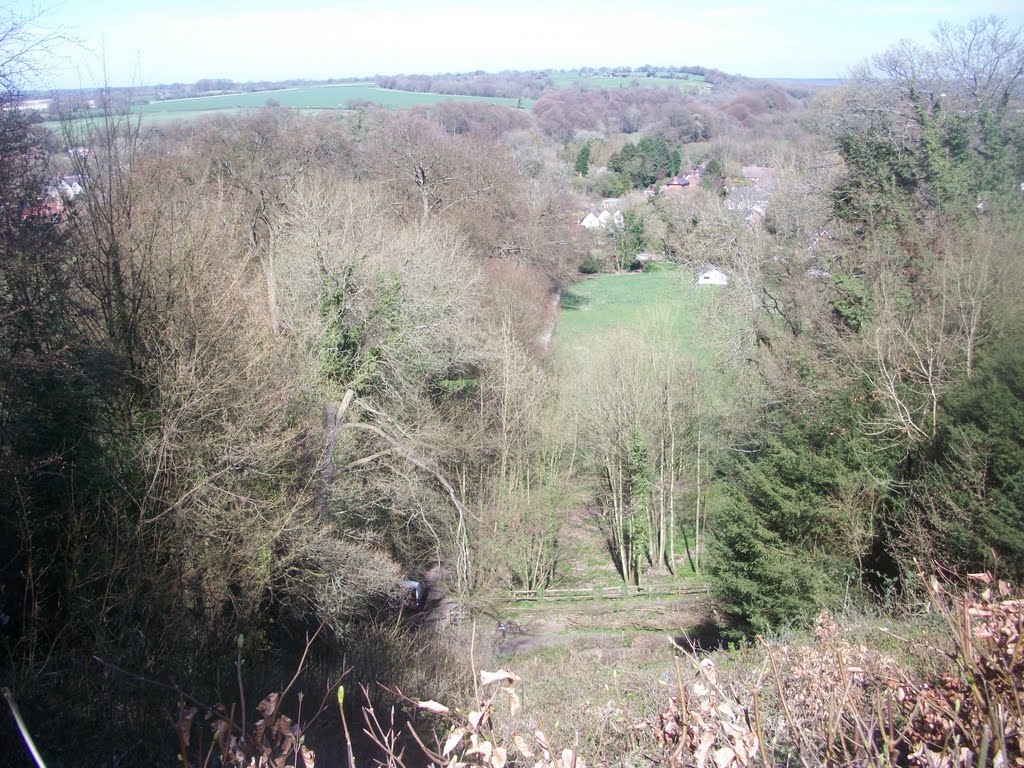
{"type": "Point", "coordinates": [965, 504]}
{"type": "Point", "coordinates": [783, 541]}
{"type": "Point", "coordinates": [583, 160]}
{"type": "Point", "coordinates": [645, 162]}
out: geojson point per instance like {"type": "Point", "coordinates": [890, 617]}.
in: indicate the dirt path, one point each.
{"type": "Point", "coordinates": [601, 624]}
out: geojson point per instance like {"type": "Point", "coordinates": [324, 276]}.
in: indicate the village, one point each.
{"type": "Point", "coordinates": [745, 197]}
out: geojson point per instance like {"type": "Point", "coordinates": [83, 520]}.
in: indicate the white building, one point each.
{"type": "Point", "coordinates": [712, 275]}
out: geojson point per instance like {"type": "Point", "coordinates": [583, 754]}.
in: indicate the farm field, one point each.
{"type": "Point", "coordinates": [311, 98]}
{"type": "Point", "coordinates": [316, 97]}
{"type": "Point", "coordinates": [604, 81]}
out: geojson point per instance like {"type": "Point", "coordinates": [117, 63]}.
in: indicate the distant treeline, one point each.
{"type": "Point", "coordinates": [530, 85]}
{"type": "Point", "coordinates": [668, 112]}
{"type": "Point", "coordinates": [203, 87]}
{"type": "Point", "coordinates": [510, 85]}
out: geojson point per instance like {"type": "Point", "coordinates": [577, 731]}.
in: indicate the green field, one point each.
{"type": "Point", "coordinates": [310, 98]}
{"type": "Point", "coordinates": [608, 303]}
{"type": "Point", "coordinates": [316, 97]}
{"type": "Point", "coordinates": [603, 81]}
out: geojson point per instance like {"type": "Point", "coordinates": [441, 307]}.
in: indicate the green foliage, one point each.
{"type": "Point", "coordinates": [582, 165]}
{"type": "Point", "coordinates": [967, 493]}
{"type": "Point", "coordinates": [762, 580]}
{"type": "Point", "coordinates": [881, 179]}
{"type": "Point", "coordinates": [591, 265]}
{"type": "Point", "coordinates": [782, 541]}
{"type": "Point", "coordinates": [349, 348]}
{"type": "Point", "coordinates": [630, 241]}
{"type": "Point", "coordinates": [641, 490]}
{"type": "Point", "coordinates": [458, 387]}
{"type": "Point", "coordinates": [851, 301]}
{"type": "Point", "coordinates": [714, 176]}
{"type": "Point", "coordinates": [944, 154]}
{"type": "Point", "coordinates": [645, 162]}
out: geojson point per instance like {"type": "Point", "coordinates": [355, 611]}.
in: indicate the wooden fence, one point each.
{"type": "Point", "coordinates": [605, 593]}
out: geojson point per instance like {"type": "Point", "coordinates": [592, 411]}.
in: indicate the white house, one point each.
{"type": "Point", "coordinates": [590, 221]}
{"type": "Point", "coordinates": [712, 275]}
{"type": "Point", "coordinates": [70, 187]}
{"type": "Point", "coordinates": [604, 217]}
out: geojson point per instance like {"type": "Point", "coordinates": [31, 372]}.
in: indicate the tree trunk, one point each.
{"type": "Point", "coordinates": [333, 412]}
{"type": "Point", "coordinates": [696, 527]}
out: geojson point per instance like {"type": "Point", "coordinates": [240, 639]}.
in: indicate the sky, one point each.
{"type": "Point", "coordinates": [149, 42]}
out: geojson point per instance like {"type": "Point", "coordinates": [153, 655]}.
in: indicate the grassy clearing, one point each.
{"type": "Point", "coordinates": [607, 303]}
{"type": "Point", "coordinates": [595, 314]}
{"type": "Point", "coordinates": [595, 82]}
{"type": "Point", "coordinates": [589, 563]}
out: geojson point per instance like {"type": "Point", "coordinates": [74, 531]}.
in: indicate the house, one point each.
{"type": "Point", "coordinates": [45, 210]}
{"type": "Point", "coordinates": [608, 215]}
{"type": "Point", "coordinates": [675, 184]}
{"type": "Point", "coordinates": [748, 202]}
{"type": "Point", "coordinates": [712, 275]}
{"type": "Point", "coordinates": [64, 188]}
{"type": "Point", "coordinates": [70, 187]}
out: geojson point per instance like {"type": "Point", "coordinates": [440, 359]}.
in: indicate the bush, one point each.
{"type": "Point", "coordinates": [591, 265]}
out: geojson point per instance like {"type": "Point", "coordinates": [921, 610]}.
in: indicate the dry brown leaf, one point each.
{"type": "Point", "coordinates": [724, 757]}
{"type": "Point", "coordinates": [501, 676]}
{"type": "Point", "coordinates": [185, 718]}
{"type": "Point", "coordinates": [513, 700]}
{"type": "Point", "coordinates": [523, 747]}
{"type": "Point", "coordinates": [433, 706]}
{"type": "Point", "coordinates": [452, 741]}
{"type": "Point", "coordinates": [545, 748]}
{"type": "Point", "coordinates": [268, 706]}
{"type": "Point", "coordinates": [707, 740]}
{"type": "Point", "coordinates": [484, 749]}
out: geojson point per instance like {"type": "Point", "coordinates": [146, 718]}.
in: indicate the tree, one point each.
{"type": "Point", "coordinates": [429, 165]}
{"type": "Point", "coordinates": [629, 239]}
{"type": "Point", "coordinates": [963, 504]}
{"type": "Point", "coordinates": [796, 518]}
{"type": "Point", "coordinates": [582, 164]}
{"type": "Point", "coordinates": [24, 43]}
{"type": "Point", "coordinates": [931, 128]}
{"type": "Point", "coordinates": [645, 162]}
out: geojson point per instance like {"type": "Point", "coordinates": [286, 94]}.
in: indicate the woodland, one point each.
{"type": "Point", "coordinates": [265, 367]}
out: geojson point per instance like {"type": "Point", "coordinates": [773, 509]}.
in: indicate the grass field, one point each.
{"type": "Point", "coordinates": [607, 303]}
{"type": "Point", "coordinates": [308, 99]}
{"type": "Point", "coordinates": [332, 97]}
{"type": "Point", "coordinates": [603, 81]}
{"type": "Point", "coordinates": [316, 97]}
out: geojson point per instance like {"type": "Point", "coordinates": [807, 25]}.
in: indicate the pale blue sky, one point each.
{"type": "Point", "coordinates": [150, 42]}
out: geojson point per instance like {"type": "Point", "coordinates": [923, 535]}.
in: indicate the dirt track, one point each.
{"type": "Point", "coordinates": [601, 625]}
